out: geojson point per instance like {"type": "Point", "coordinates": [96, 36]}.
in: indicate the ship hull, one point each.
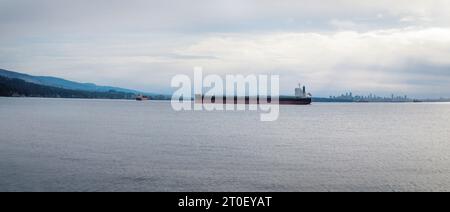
{"type": "Point", "coordinates": [142, 98]}
{"type": "Point", "coordinates": [283, 100]}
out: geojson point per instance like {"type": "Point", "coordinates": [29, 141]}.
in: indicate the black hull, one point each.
{"type": "Point", "coordinates": [142, 99]}
{"type": "Point", "coordinates": [298, 101]}
{"type": "Point", "coordinates": [283, 100]}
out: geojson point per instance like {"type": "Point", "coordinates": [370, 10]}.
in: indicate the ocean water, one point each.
{"type": "Point", "coordinates": [115, 145]}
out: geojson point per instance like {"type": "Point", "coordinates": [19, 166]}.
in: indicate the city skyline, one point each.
{"type": "Point", "coordinates": [373, 98]}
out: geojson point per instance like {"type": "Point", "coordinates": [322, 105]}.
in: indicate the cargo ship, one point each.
{"type": "Point", "coordinates": [300, 98]}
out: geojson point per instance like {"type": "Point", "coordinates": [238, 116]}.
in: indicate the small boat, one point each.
{"type": "Point", "coordinates": [142, 98]}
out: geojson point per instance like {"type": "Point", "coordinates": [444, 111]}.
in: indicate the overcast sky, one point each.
{"type": "Point", "coordinates": [332, 46]}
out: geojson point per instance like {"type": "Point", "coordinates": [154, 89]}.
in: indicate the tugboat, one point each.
{"type": "Point", "coordinates": [142, 98]}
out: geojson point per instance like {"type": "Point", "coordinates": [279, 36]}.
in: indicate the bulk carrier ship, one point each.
{"type": "Point", "coordinates": [300, 98]}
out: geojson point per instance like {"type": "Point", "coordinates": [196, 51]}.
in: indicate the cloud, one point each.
{"type": "Point", "coordinates": [84, 16]}
{"type": "Point", "coordinates": [381, 60]}
{"type": "Point", "coordinates": [331, 45]}
{"type": "Point", "coordinates": [344, 25]}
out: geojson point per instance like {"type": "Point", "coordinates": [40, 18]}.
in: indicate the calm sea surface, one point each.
{"type": "Point", "coordinates": [108, 145]}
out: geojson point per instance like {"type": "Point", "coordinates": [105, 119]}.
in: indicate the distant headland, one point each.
{"type": "Point", "coordinates": [15, 84]}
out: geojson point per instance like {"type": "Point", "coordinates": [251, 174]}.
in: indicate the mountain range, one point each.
{"type": "Point", "coordinates": [20, 84]}
{"type": "Point", "coordinates": [65, 84]}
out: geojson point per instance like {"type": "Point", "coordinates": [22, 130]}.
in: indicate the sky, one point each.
{"type": "Point", "coordinates": [331, 46]}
